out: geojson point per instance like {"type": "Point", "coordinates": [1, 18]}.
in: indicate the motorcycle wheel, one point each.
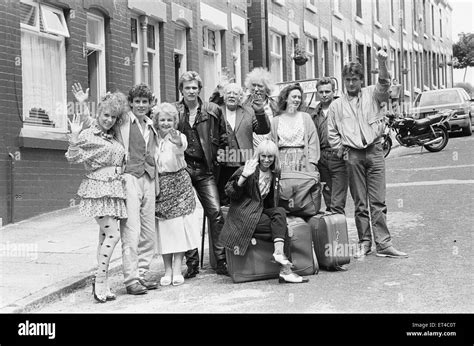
{"type": "Point", "coordinates": [440, 132]}
{"type": "Point", "coordinates": [386, 145]}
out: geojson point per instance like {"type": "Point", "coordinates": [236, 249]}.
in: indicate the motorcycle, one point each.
{"type": "Point", "coordinates": [430, 132]}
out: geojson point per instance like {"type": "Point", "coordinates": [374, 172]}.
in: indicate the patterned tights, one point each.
{"type": "Point", "coordinates": [109, 236]}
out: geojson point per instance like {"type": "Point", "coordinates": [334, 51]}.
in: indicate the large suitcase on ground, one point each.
{"type": "Point", "coordinates": [257, 262]}
{"type": "Point", "coordinates": [301, 247]}
{"type": "Point", "coordinates": [255, 265]}
{"type": "Point", "coordinates": [331, 241]}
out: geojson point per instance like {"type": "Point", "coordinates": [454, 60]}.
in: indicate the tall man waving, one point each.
{"type": "Point", "coordinates": [355, 127]}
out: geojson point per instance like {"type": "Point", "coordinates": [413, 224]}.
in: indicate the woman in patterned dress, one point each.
{"type": "Point", "coordinates": [102, 191]}
{"type": "Point", "coordinates": [176, 222]}
{"type": "Point", "coordinates": [294, 132]}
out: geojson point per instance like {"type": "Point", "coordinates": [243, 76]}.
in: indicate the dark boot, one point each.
{"type": "Point", "coordinates": [222, 268]}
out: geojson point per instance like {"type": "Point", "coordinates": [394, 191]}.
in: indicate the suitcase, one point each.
{"type": "Point", "coordinates": [301, 247]}
{"type": "Point", "coordinates": [255, 265]}
{"type": "Point", "coordinates": [331, 241]}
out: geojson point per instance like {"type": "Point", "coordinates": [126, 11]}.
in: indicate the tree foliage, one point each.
{"type": "Point", "coordinates": [463, 51]}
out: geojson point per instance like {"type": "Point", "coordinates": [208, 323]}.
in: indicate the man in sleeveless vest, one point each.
{"type": "Point", "coordinates": [138, 231]}
{"type": "Point", "coordinates": [204, 127]}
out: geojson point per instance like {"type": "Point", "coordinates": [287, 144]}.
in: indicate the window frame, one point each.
{"type": "Point", "coordinates": [310, 6]}
{"type": "Point", "coordinates": [137, 51]}
{"type": "Point", "coordinates": [182, 51]}
{"type": "Point", "coordinates": [237, 56]}
{"type": "Point", "coordinates": [358, 7]}
{"type": "Point", "coordinates": [275, 55]}
{"type": "Point", "coordinates": [337, 59]}
{"type": "Point", "coordinates": [311, 57]}
{"type": "Point", "coordinates": [216, 54]}
{"type": "Point", "coordinates": [59, 38]}
{"type": "Point", "coordinates": [61, 18]}
{"type": "Point", "coordinates": [100, 47]}
{"type": "Point", "coordinates": [154, 84]}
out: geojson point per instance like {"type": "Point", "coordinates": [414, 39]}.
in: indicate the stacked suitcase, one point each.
{"type": "Point", "coordinates": [257, 262]}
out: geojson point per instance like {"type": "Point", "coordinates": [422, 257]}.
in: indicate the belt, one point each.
{"type": "Point", "coordinates": [286, 147]}
{"type": "Point", "coordinates": [110, 169]}
{"type": "Point", "coordinates": [329, 150]}
{"type": "Point", "coordinates": [377, 141]}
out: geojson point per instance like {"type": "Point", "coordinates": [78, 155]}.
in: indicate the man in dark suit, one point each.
{"type": "Point", "coordinates": [241, 123]}
{"type": "Point", "coordinates": [204, 127]}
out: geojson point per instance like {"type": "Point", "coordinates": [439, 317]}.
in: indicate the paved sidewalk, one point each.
{"type": "Point", "coordinates": [50, 255]}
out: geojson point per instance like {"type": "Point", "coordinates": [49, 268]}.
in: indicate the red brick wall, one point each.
{"type": "Point", "coordinates": [43, 179]}
{"type": "Point", "coordinates": [10, 96]}
{"type": "Point", "coordinates": [257, 35]}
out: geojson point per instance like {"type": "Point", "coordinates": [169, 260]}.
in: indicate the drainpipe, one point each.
{"type": "Point", "coordinates": [267, 35]}
{"type": "Point", "coordinates": [12, 185]}
{"type": "Point", "coordinates": [145, 64]}
{"type": "Point", "coordinates": [401, 61]}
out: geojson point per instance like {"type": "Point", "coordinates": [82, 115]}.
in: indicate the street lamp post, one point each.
{"type": "Point", "coordinates": [400, 62]}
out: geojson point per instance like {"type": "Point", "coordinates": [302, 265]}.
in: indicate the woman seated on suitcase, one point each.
{"type": "Point", "coordinates": [254, 212]}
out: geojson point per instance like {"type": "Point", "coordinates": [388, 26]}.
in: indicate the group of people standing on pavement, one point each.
{"type": "Point", "coordinates": [146, 163]}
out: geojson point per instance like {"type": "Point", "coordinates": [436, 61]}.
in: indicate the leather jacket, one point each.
{"type": "Point", "coordinates": [211, 128]}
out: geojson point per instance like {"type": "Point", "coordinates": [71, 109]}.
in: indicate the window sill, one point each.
{"type": "Point", "coordinates": [359, 20]}
{"type": "Point", "coordinates": [425, 88]}
{"type": "Point", "coordinates": [404, 32]}
{"type": "Point", "coordinates": [425, 36]}
{"type": "Point", "coordinates": [338, 15]}
{"type": "Point", "coordinates": [407, 93]}
{"type": "Point", "coordinates": [417, 90]}
{"type": "Point", "coordinates": [311, 8]}
{"type": "Point", "coordinates": [392, 28]}
{"type": "Point", "coordinates": [378, 24]}
{"type": "Point", "coordinates": [415, 34]}
{"type": "Point", "coordinates": [440, 39]}
{"type": "Point", "coordinates": [42, 139]}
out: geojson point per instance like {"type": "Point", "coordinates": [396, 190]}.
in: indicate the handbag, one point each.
{"type": "Point", "coordinates": [300, 192]}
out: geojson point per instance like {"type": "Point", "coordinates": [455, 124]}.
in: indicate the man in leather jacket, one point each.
{"type": "Point", "coordinates": [204, 127]}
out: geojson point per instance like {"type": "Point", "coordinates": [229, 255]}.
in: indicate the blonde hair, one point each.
{"type": "Point", "coordinates": [168, 109]}
{"type": "Point", "coordinates": [115, 104]}
{"type": "Point", "coordinates": [268, 147]}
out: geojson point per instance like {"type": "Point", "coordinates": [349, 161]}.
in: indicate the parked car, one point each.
{"type": "Point", "coordinates": [430, 102]}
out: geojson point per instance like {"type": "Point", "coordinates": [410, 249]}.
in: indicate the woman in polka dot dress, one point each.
{"type": "Point", "coordinates": [102, 191]}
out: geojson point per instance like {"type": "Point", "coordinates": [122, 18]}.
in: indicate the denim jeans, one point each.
{"type": "Point", "coordinates": [366, 169]}
{"type": "Point", "coordinates": [333, 172]}
{"type": "Point", "coordinates": [206, 190]}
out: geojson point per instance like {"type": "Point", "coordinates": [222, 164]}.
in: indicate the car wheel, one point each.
{"type": "Point", "coordinates": [467, 131]}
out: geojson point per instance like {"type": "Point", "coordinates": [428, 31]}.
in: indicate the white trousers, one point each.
{"type": "Point", "coordinates": [138, 230]}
